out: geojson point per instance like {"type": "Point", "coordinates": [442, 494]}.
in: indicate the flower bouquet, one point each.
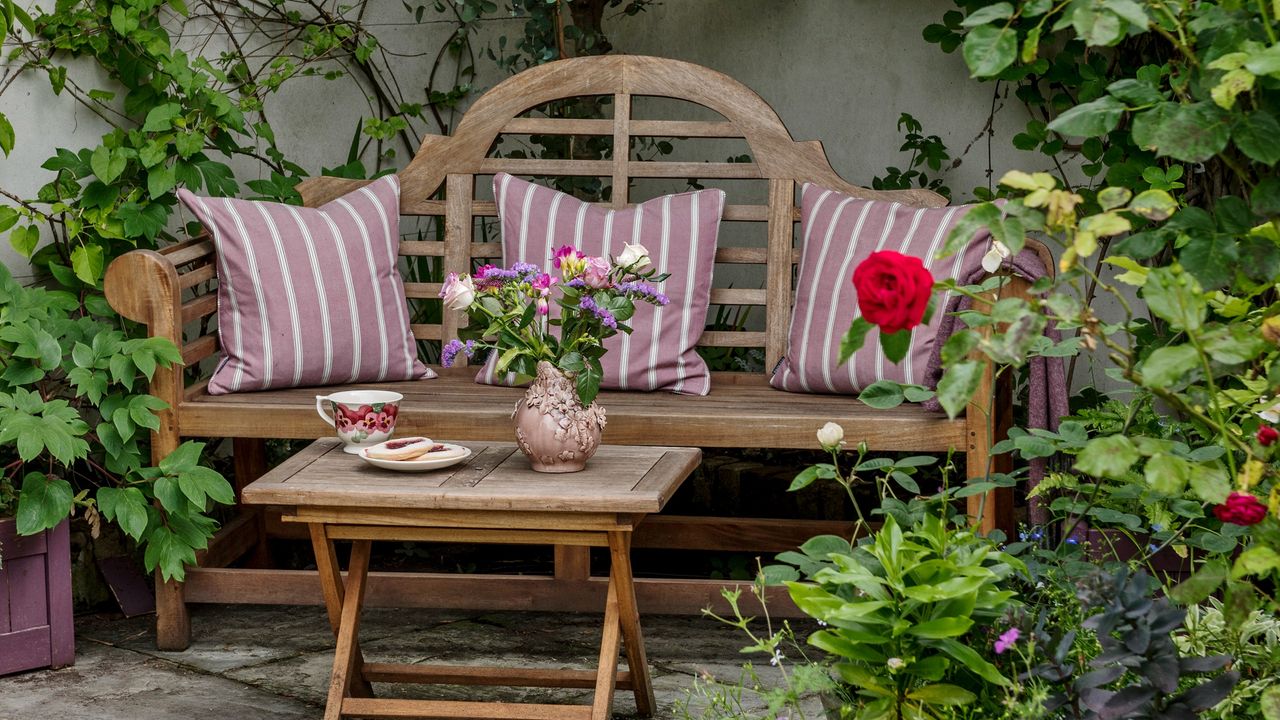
{"type": "Point", "coordinates": [516, 313]}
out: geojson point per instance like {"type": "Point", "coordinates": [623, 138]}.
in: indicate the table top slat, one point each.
{"type": "Point", "coordinates": [619, 479]}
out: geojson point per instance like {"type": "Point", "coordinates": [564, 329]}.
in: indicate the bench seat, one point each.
{"type": "Point", "coordinates": [454, 407]}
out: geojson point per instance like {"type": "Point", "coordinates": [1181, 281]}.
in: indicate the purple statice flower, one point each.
{"type": "Point", "coordinates": [1007, 640]}
{"type": "Point", "coordinates": [576, 283]}
{"type": "Point", "coordinates": [644, 291]}
{"type": "Point", "coordinates": [524, 269]}
{"type": "Point", "coordinates": [606, 317]}
{"type": "Point", "coordinates": [449, 353]}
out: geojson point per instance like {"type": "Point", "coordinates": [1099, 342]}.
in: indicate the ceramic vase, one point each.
{"type": "Point", "coordinates": [553, 428]}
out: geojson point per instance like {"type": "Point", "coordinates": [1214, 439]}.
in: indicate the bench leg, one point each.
{"type": "Point", "coordinates": [629, 615]}
{"type": "Point", "coordinates": [173, 622]}
{"type": "Point", "coordinates": [338, 599]}
{"type": "Point", "coordinates": [249, 456]}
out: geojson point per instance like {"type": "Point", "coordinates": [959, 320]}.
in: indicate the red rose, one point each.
{"type": "Point", "coordinates": [1267, 435]}
{"type": "Point", "coordinates": [1241, 509]}
{"type": "Point", "coordinates": [893, 290]}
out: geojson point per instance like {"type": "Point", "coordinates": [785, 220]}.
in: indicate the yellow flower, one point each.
{"type": "Point", "coordinates": [1250, 474]}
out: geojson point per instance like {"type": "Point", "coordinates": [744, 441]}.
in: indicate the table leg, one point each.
{"type": "Point", "coordinates": [629, 616]}
{"type": "Point", "coordinates": [347, 663]}
{"type": "Point", "coordinates": [331, 586]}
{"type": "Point", "coordinates": [607, 670]}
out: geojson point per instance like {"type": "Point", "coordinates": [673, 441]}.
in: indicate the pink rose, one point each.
{"type": "Point", "coordinates": [596, 274]}
{"type": "Point", "coordinates": [458, 292]}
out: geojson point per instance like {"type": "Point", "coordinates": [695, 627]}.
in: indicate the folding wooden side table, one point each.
{"type": "Point", "coordinates": [493, 497]}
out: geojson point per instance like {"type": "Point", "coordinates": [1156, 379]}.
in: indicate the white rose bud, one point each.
{"type": "Point", "coordinates": [995, 257]}
{"type": "Point", "coordinates": [633, 256]}
{"type": "Point", "coordinates": [830, 436]}
{"type": "Point", "coordinates": [458, 292]}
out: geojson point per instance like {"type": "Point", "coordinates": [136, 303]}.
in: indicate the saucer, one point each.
{"type": "Point", "coordinates": [451, 455]}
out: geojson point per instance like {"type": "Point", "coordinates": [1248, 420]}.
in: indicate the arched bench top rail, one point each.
{"type": "Point", "coordinates": [775, 154]}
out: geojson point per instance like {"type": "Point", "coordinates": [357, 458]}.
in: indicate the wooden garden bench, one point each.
{"type": "Point", "coordinates": [171, 291]}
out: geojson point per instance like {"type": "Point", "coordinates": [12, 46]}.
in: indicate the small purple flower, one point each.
{"type": "Point", "coordinates": [644, 291]}
{"type": "Point", "coordinates": [1007, 640]}
{"type": "Point", "coordinates": [1072, 541]}
{"type": "Point", "coordinates": [449, 354]}
{"type": "Point", "coordinates": [606, 318]}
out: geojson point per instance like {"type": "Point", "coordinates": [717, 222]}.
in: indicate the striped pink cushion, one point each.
{"type": "Point", "coordinates": [309, 296]}
{"type": "Point", "coordinates": [839, 232]}
{"type": "Point", "coordinates": [680, 233]}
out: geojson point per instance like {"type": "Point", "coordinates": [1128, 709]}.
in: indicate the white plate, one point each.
{"type": "Point", "coordinates": [451, 455]}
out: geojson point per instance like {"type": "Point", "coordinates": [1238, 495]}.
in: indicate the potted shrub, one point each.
{"type": "Point", "coordinates": [73, 419]}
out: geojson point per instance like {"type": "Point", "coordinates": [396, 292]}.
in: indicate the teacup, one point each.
{"type": "Point", "coordinates": [361, 417]}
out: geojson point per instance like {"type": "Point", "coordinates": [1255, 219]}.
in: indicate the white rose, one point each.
{"type": "Point", "coordinates": [1271, 414]}
{"type": "Point", "coordinates": [995, 257]}
{"type": "Point", "coordinates": [830, 435]}
{"type": "Point", "coordinates": [458, 292]}
{"type": "Point", "coordinates": [633, 256]}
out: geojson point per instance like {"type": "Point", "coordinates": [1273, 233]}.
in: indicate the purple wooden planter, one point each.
{"type": "Point", "coordinates": [36, 627]}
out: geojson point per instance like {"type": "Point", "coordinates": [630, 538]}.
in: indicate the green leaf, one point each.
{"type": "Point", "coordinates": [201, 482]}
{"type": "Point", "coordinates": [127, 507]}
{"type": "Point", "coordinates": [1257, 560]}
{"type": "Point", "coordinates": [169, 494]}
{"type": "Point", "coordinates": [988, 14]}
{"type": "Point", "coordinates": [969, 658]}
{"type": "Point", "coordinates": [184, 458]}
{"type": "Point", "coordinates": [989, 49]}
{"type": "Point", "coordinates": [895, 345]}
{"type": "Point", "coordinates": [1193, 133]}
{"type": "Point", "coordinates": [166, 551]}
{"type": "Point", "coordinates": [143, 220]}
{"type": "Point", "coordinates": [25, 239]}
{"type": "Point", "coordinates": [1090, 119]}
{"type": "Point", "coordinates": [160, 180]}
{"type": "Point", "coordinates": [1265, 199]}
{"type": "Point", "coordinates": [957, 386]}
{"type": "Point", "coordinates": [6, 135]}
{"type": "Point", "coordinates": [1176, 297]}
{"type": "Point", "coordinates": [161, 117]}
{"type": "Point", "coordinates": [1255, 134]}
{"type": "Point", "coordinates": [1153, 204]}
{"type": "Point", "coordinates": [1167, 474]}
{"type": "Point", "coordinates": [941, 627]}
{"type": "Point", "coordinates": [1107, 457]}
{"type": "Point", "coordinates": [804, 479]}
{"type": "Point", "coordinates": [854, 339]}
{"type": "Point", "coordinates": [882, 394]}
{"type": "Point", "coordinates": [1169, 365]}
{"type": "Point", "coordinates": [821, 546]}
{"type": "Point", "coordinates": [980, 218]}
{"type": "Point", "coordinates": [1201, 584]}
{"type": "Point", "coordinates": [86, 261]}
{"type": "Point", "coordinates": [1209, 483]}
{"type": "Point", "coordinates": [43, 503]}
{"type": "Point", "coordinates": [942, 694]}
{"type": "Point", "coordinates": [106, 164]}
{"type": "Point", "coordinates": [588, 381]}
{"type": "Point", "coordinates": [1135, 92]}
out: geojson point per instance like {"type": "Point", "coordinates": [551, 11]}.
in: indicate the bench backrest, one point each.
{"type": "Point", "coordinates": [458, 163]}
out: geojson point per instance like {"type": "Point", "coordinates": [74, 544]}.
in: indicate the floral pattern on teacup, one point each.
{"type": "Point", "coordinates": [359, 422]}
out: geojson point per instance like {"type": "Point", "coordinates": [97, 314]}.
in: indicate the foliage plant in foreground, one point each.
{"type": "Point", "coordinates": [74, 420]}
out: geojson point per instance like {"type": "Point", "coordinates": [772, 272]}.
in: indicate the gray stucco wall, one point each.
{"type": "Point", "coordinates": [839, 71]}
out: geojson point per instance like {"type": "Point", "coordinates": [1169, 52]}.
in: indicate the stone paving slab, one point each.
{"type": "Point", "coordinates": [248, 662]}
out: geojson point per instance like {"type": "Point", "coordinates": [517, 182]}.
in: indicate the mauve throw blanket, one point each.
{"type": "Point", "coordinates": [1047, 391]}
